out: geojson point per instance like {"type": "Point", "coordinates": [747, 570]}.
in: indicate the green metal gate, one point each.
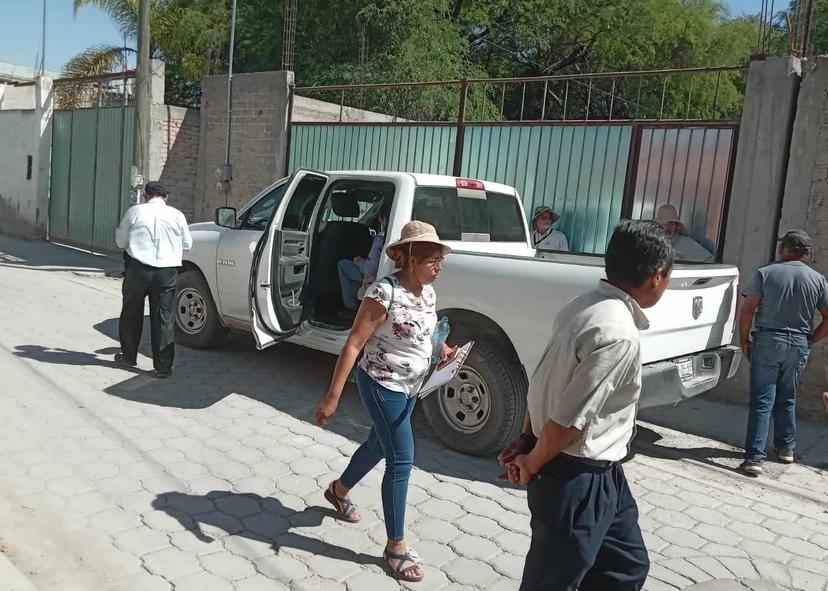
{"type": "Point", "coordinates": [91, 156]}
{"type": "Point", "coordinates": [596, 147]}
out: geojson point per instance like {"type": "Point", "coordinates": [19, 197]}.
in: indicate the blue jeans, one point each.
{"type": "Point", "coordinates": [350, 280]}
{"type": "Point", "coordinates": [777, 360]}
{"type": "Point", "coordinates": [392, 438]}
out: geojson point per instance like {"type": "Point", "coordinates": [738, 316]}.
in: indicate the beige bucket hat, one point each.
{"type": "Point", "coordinates": [417, 231]}
{"type": "Point", "coordinates": [542, 209]}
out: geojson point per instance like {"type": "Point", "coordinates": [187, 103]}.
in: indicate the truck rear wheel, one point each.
{"type": "Point", "coordinates": [482, 409]}
{"type": "Point", "coordinates": [197, 323]}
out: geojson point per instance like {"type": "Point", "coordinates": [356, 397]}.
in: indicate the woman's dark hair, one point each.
{"type": "Point", "coordinates": [638, 250]}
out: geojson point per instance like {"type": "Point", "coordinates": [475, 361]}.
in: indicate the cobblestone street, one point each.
{"type": "Point", "coordinates": [213, 479]}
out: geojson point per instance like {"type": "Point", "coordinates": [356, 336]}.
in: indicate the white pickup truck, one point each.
{"type": "Point", "coordinates": [271, 268]}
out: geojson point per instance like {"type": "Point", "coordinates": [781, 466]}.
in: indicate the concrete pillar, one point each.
{"type": "Point", "coordinates": [806, 205]}
{"type": "Point", "coordinates": [44, 109]}
{"type": "Point", "coordinates": [808, 163]}
{"type": "Point", "coordinates": [259, 138]}
{"type": "Point", "coordinates": [759, 177]}
{"type": "Point", "coordinates": [158, 82]}
{"type": "Point", "coordinates": [761, 162]}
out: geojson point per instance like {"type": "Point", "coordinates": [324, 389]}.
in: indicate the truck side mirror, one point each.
{"type": "Point", "coordinates": [226, 217]}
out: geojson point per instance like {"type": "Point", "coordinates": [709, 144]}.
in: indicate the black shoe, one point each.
{"type": "Point", "coordinates": [121, 360]}
{"type": "Point", "coordinates": [161, 373]}
{"type": "Point", "coordinates": [751, 468]}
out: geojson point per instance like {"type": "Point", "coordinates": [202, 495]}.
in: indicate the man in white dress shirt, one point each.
{"type": "Point", "coordinates": [154, 236]}
{"type": "Point", "coordinates": [580, 420]}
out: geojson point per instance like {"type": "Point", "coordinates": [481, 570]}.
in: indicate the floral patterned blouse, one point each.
{"type": "Point", "coordinates": [398, 355]}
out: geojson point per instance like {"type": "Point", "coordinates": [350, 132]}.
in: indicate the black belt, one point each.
{"type": "Point", "coordinates": [567, 464]}
{"type": "Point", "coordinates": [588, 461]}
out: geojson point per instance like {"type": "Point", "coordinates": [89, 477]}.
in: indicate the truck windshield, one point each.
{"type": "Point", "coordinates": [470, 215]}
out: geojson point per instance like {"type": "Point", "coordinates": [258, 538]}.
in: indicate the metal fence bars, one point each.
{"type": "Point", "coordinates": [589, 146]}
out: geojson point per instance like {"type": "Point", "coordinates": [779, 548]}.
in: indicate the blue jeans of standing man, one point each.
{"type": "Point", "coordinates": [350, 280]}
{"type": "Point", "coordinates": [777, 360]}
{"type": "Point", "coordinates": [392, 438]}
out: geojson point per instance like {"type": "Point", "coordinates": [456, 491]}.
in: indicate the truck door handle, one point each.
{"type": "Point", "coordinates": [264, 285]}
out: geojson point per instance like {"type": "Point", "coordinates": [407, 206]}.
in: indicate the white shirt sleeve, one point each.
{"type": "Point", "coordinates": [596, 377]}
{"type": "Point", "coordinates": [186, 237]}
{"type": "Point", "coordinates": [122, 231]}
{"type": "Point", "coordinates": [562, 242]}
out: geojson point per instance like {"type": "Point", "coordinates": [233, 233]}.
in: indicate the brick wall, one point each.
{"type": "Point", "coordinates": [174, 148]}
{"type": "Point", "coordinates": [258, 141]}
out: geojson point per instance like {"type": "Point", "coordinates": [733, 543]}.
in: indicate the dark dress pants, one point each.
{"type": "Point", "coordinates": [585, 532]}
{"type": "Point", "coordinates": [158, 284]}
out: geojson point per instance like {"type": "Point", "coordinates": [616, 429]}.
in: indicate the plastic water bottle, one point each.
{"type": "Point", "coordinates": [441, 332]}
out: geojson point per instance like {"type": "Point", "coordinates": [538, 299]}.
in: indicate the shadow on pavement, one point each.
{"type": "Point", "coordinates": [646, 444]}
{"type": "Point", "coordinates": [723, 423]}
{"type": "Point", "coordinates": [66, 357]}
{"type": "Point", "coordinates": [288, 378]}
{"type": "Point", "coordinates": [256, 518]}
{"type": "Point", "coordinates": [45, 256]}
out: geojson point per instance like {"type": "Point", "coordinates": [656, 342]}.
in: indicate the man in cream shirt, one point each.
{"type": "Point", "coordinates": [155, 237]}
{"type": "Point", "coordinates": [582, 405]}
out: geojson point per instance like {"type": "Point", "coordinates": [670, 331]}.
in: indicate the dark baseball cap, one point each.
{"type": "Point", "coordinates": [797, 240]}
{"type": "Point", "coordinates": [156, 189]}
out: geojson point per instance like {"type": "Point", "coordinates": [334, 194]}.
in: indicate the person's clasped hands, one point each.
{"type": "Point", "coordinates": [515, 458]}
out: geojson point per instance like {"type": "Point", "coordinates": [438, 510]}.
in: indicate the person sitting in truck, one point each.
{"type": "Point", "coordinates": [687, 249]}
{"type": "Point", "coordinates": [544, 236]}
{"type": "Point", "coordinates": [353, 273]}
{"type": "Point", "coordinates": [394, 363]}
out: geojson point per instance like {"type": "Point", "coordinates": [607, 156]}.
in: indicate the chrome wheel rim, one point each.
{"type": "Point", "coordinates": [465, 402]}
{"type": "Point", "coordinates": [191, 311]}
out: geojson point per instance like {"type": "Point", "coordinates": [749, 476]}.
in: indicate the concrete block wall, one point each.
{"type": "Point", "coordinates": [311, 110]}
{"type": "Point", "coordinates": [174, 148]}
{"type": "Point", "coordinates": [23, 187]}
{"type": "Point", "coordinates": [258, 141]}
{"type": "Point", "coordinates": [17, 97]}
{"type": "Point", "coordinates": [806, 203]}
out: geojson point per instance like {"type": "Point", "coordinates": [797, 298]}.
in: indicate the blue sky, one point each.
{"type": "Point", "coordinates": [67, 35]}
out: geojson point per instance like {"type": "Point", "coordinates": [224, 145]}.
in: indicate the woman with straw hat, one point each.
{"type": "Point", "coordinates": [393, 328]}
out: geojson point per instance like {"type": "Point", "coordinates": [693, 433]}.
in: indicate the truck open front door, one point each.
{"type": "Point", "coordinates": [279, 271]}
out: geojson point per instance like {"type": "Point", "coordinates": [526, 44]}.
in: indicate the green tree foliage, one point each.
{"type": "Point", "coordinates": [190, 35]}
{"type": "Point", "coordinates": [374, 41]}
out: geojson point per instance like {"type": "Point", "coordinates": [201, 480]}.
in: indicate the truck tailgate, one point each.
{"type": "Point", "coordinates": [697, 313]}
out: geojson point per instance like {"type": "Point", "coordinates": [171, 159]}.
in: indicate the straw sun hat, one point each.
{"type": "Point", "coordinates": [417, 232]}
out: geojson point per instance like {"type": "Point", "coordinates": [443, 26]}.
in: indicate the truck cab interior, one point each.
{"type": "Point", "coordinates": [345, 228]}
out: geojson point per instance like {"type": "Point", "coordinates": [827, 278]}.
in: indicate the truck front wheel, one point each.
{"type": "Point", "coordinates": [482, 409]}
{"type": "Point", "coordinates": [197, 323]}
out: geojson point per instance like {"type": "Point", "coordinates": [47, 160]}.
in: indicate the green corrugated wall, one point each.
{"type": "Point", "coordinates": [577, 170]}
{"type": "Point", "coordinates": [91, 156]}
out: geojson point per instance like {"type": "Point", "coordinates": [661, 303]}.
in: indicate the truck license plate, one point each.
{"type": "Point", "coordinates": [685, 369]}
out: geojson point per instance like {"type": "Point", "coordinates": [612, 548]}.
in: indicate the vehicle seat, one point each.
{"type": "Point", "coordinates": [339, 240]}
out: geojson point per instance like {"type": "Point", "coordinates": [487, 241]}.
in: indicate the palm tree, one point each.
{"type": "Point", "coordinates": [188, 34]}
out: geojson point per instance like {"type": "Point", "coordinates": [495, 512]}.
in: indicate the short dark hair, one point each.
{"type": "Point", "coordinates": [637, 250]}
{"type": "Point", "coordinates": [798, 242]}
{"type": "Point", "coordinates": [155, 189]}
